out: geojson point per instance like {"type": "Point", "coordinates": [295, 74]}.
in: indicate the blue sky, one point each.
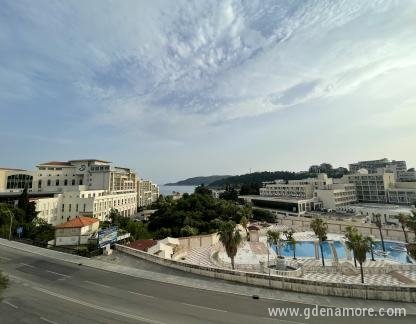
{"type": "Point", "coordinates": [176, 89]}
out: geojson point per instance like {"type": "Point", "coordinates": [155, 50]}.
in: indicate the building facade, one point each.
{"type": "Point", "coordinates": [64, 190]}
{"type": "Point", "coordinates": [147, 192]}
{"type": "Point", "coordinates": [372, 166]}
{"type": "Point", "coordinates": [371, 187]}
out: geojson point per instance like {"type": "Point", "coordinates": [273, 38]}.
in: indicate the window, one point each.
{"type": "Point", "coordinates": [40, 184]}
{"type": "Point", "coordinates": [63, 207]}
{"type": "Point", "coordinates": [76, 207]}
{"type": "Point", "coordinates": [49, 182]}
{"type": "Point", "coordinates": [57, 182]}
{"type": "Point", "coordinates": [65, 182]}
{"type": "Point", "coordinates": [70, 207]}
{"type": "Point", "coordinates": [84, 207]}
{"type": "Point", "coordinates": [73, 182]}
{"type": "Point", "coordinates": [80, 182]}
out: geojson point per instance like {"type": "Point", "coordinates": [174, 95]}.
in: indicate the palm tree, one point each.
{"type": "Point", "coordinates": [371, 244]}
{"type": "Point", "coordinates": [351, 233]}
{"type": "Point", "coordinates": [377, 221]}
{"type": "Point", "coordinates": [244, 223]}
{"type": "Point", "coordinates": [403, 218]}
{"type": "Point", "coordinates": [320, 229]}
{"type": "Point", "coordinates": [361, 247]}
{"type": "Point", "coordinates": [291, 239]}
{"type": "Point", "coordinates": [230, 238]}
{"type": "Point", "coordinates": [273, 238]}
{"type": "Point", "coordinates": [411, 222]}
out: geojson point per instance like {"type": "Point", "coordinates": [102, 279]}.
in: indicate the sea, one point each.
{"type": "Point", "coordinates": [167, 190]}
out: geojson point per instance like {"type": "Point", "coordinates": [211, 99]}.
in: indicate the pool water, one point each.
{"type": "Point", "coordinates": [306, 249]}
{"type": "Point", "coordinates": [395, 251]}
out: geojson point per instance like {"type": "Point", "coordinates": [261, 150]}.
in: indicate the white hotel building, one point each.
{"type": "Point", "coordinates": [64, 190]}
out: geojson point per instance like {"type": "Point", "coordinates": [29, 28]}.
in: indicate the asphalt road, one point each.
{"type": "Point", "coordinates": [45, 290]}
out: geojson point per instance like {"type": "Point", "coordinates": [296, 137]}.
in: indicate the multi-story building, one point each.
{"type": "Point", "coordinates": [147, 192]}
{"type": "Point", "coordinates": [296, 197]}
{"type": "Point", "coordinates": [372, 166]}
{"type": "Point", "coordinates": [15, 180]}
{"type": "Point", "coordinates": [334, 196]}
{"type": "Point", "coordinates": [64, 190]}
{"type": "Point", "coordinates": [371, 187]}
{"type": "Point", "coordinates": [404, 193]}
{"type": "Point", "coordinates": [407, 176]}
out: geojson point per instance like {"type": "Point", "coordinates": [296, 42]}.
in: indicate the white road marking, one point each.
{"type": "Point", "coordinates": [144, 295]}
{"type": "Point", "coordinates": [47, 321]}
{"type": "Point", "coordinates": [27, 265]}
{"type": "Point", "coordinates": [96, 283]}
{"type": "Point", "coordinates": [204, 307]}
{"type": "Point", "coordinates": [59, 274]}
{"type": "Point", "coordinates": [10, 304]}
{"type": "Point", "coordinates": [100, 308]}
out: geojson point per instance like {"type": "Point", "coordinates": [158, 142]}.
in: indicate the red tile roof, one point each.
{"type": "Point", "coordinates": [78, 222]}
{"type": "Point", "coordinates": [142, 245]}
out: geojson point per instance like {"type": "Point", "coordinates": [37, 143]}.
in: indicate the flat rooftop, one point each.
{"type": "Point", "coordinates": [284, 199]}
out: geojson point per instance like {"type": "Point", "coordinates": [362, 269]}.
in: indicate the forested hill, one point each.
{"type": "Point", "coordinates": [259, 177]}
{"type": "Point", "coordinates": [196, 181]}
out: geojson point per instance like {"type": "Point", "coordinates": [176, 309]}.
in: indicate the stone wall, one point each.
{"type": "Point", "coordinates": [396, 293]}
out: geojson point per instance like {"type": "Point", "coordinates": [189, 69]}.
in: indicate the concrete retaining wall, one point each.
{"type": "Point", "coordinates": [402, 293]}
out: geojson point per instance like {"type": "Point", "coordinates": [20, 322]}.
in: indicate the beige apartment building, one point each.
{"type": "Point", "coordinates": [147, 192]}
{"type": "Point", "coordinates": [65, 190]}
{"type": "Point", "coordinates": [371, 187]}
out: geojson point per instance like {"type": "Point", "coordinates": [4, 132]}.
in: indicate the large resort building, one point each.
{"type": "Point", "coordinates": [65, 190]}
{"type": "Point", "coordinates": [384, 182]}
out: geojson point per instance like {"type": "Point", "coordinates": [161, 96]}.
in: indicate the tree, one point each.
{"type": "Point", "coordinates": [244, 223]}
{"type": "Point", "coordinates": [114, 216]}
{"type": "Point", "coordinates": [274, 238]}
{"type": "Point", "coordinates": [377, 221]}
{"type": "Point", "coordinates": [320, 229]}
{"type": "Point", "coordinates": [325, 168]}
{"type": "Point", "coordinates": [202, 190]}
{"type": "Point", "coordinates": [39, 230]}
{"type": "Point", "coordinates": [188, 231]}
{"type": "Point", "coordinates": [371, 244]}
{"type": "Point", "coordinates": [351, 234]}
{"type": "Point", "coordinates": [27, 206]}
{"type": "Point", "coordinates": [229, 194]}
{"type": "Point", "coordinates": [263, 215]}
{"type": "Point", "coordinates": [290, 238]}
{"type": "Point", "coordinates": [411, 222]}
{"type": "Point", "coordinates": [230, 238]}
{"type": "Point", "coordinates": [361, 247]}
{"type": "Point", "coordinates": [403, 219]}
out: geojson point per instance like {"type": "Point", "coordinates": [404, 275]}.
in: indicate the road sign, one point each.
{"type": "Point", "coordinates": [107, 236]}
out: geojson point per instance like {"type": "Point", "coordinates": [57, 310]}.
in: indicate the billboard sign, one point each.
{"type": "Point", "coordinates": [107, 236]}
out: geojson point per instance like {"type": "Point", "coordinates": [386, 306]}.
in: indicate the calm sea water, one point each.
{"type": "Point", "coordinates": [167, 190]}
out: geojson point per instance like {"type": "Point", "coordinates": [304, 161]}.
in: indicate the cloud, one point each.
{"type": "Point", "coordinates": [199, 64]}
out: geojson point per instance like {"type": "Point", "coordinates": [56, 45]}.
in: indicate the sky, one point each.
{"type": "Point", "coordinates": [175, 89]}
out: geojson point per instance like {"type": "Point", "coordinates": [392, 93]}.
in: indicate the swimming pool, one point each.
{"type": "Point", "coordinates": [306, 249]}
{"type": "Point", "coordinates": [395, 251]}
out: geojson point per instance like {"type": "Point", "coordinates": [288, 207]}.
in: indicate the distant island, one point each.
{"type": "Point", "coordinates": [196, 181]}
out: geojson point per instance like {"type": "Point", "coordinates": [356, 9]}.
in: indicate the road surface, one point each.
{"type": "Point", "coordinates": [45, 290]}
